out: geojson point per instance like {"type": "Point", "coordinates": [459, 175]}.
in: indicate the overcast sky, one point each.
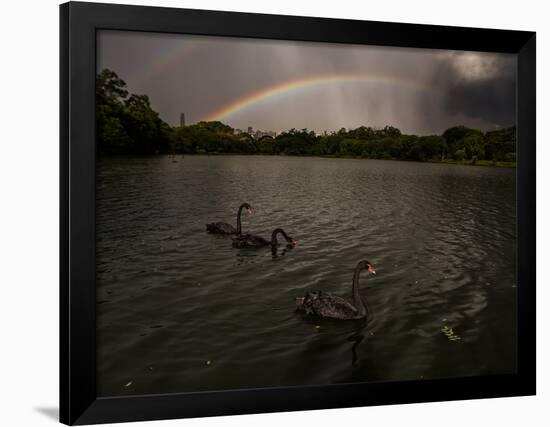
{"type": "Point", "coordinates": [278, 85]}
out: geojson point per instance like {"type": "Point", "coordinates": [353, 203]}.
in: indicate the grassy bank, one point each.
{"type": "Point", "coordinates": [491, 163]}
{"type": "Point", "coordinates": [494, 163]}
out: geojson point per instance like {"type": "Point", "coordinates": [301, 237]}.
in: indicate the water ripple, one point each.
{"type": "Point", "coordinates": [181, 310]}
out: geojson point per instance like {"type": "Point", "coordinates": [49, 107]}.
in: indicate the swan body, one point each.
{"type": "Point", "coordinates": [251, 241]}
{"type": "Point", "coordinates": [221, 228]}
{"type": "Point", "coordinates": [325, 305]}
{"type": "Point", "coordinates": [224, 227]}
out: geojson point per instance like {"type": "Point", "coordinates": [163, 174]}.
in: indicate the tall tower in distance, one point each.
{"type": "Point", "coordinates": [182, 119]}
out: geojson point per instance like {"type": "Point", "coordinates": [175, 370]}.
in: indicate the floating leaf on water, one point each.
{"type": "Point", "coordinates": [449, 333]}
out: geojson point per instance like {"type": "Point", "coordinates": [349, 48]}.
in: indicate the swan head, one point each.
{"type": "Point", "coordinates": [291, 242]}
{"type": "Point", "coordinates": [369, 267]}
{"type": "Point", "coordinates": [248, 208]}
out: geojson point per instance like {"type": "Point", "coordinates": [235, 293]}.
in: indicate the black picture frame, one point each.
{"type": "Point", "coordinates": [78, 25]}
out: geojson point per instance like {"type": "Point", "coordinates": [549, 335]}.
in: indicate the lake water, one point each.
{"type": "Point", "coordinates": [180, 310]}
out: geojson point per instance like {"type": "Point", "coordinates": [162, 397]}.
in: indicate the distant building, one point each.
{"type": "Point", "coordinates": [250, 130]}
{"type": "Point", "coordinates": [260, 133]}
{"type": "Point", "coordinates": [182, 119]}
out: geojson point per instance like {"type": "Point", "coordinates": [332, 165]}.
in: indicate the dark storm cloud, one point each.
{"type": "Point", "coordinates": [418, 90]}
{"type": "Point", "coordinates": [478, 86]}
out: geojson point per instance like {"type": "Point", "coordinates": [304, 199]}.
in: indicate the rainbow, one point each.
{"type": "Point", "coordinates": [300, 84]}
{"type": "Point", "coordinates": [166, 59]}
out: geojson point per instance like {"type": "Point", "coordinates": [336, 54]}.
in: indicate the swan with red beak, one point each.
{"type": "Point", "coordinates": [325, 305]}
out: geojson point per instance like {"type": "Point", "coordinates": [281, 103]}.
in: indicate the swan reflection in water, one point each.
{"type": "Point", "coordinates": [357, 338]}
{"type": "Point", "coordinates": [275, 252]}
{"type": "Point", "coordinates": [248, 257]}
{"type": "Point", "coordinates": [336, 334]}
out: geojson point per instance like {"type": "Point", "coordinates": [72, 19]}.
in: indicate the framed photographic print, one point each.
{"type": "Point", "coordinates": [272, 213]}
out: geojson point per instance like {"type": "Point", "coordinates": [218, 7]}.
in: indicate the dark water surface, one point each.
{"type": "Point", "coordinates": [180, 310]}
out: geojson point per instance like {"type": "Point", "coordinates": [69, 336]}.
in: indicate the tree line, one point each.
{"type": "Point", "coordinates": [127, 124]}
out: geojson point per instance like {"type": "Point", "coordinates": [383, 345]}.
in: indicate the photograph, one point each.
{"type": "Point", "coordinates": [280, 213]}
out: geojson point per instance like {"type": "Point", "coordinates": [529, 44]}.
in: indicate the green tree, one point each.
{"type": "Point", "coordinates": [112, 137]}
{"type": "Point", "coordinates": [146, 130]}
{"type": "Point", "coordinates": [474, 146]}
{"type": "Point", "coordinates": [296, 142]}
{"type": "Point", "coordinates": [499, 143]}
{"type": "Point", "coordinates": [455, 137]}
{"type": "Point", "coordinates": [127, 125]}
{"type": "Point", "coordinates": [432, 147]}
{"type": "Point", "coordinates": [459, 155]}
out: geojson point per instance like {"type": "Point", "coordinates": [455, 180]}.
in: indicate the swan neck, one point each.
{"type": "Point", "coordinates": [355, 290]}
{"type": "Point", "coordinates": [239, 219]}
{"type": "Point", "coordinates": [274, 236]}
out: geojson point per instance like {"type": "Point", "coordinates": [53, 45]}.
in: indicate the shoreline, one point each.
{"type": "Point", "coordinates": [483, 163]}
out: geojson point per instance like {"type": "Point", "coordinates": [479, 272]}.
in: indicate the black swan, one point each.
{"type": "Point", "coordinates": [251, 241]}
{"type": "Point", "coordinates": [224, 227]}
{"type": "Point", "coordinates": [330, 306]}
